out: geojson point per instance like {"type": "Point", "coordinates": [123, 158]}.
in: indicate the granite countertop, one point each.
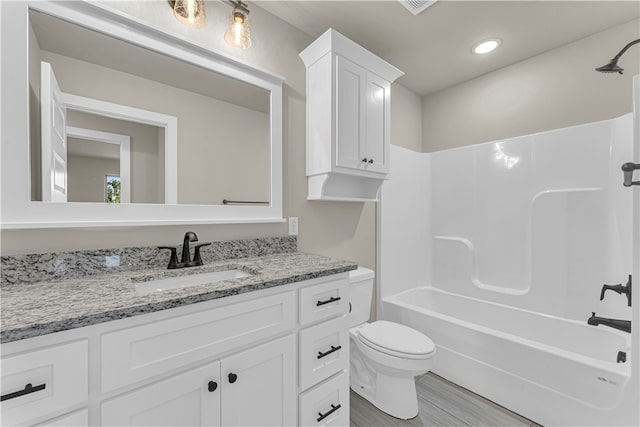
{"type": "Point", "coordinates": [44, 307]}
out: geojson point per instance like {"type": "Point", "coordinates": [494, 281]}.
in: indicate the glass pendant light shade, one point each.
{"type": "Point", "coordinates": [238, 34]}
{"type": "Point", "coordinates": [190, 12]}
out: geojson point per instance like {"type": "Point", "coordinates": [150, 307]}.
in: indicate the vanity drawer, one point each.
{"type": "Point", "coordinates": [318, 405]}
{"type": "Point", "coordinates": [154, 349]}
{"type": "Point", "coordinates": [58, 377]}
{"type": "Point", "coordinates": [75, 419]}
{"type": "Point", "coordinates": [324, 350]}
{"type": "Point", "coordinates": [324, 300]}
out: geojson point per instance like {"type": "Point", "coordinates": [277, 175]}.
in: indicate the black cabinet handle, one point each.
{"type": "Point", "coordinates": [329, 301]}
{"type": "Point", "coordinates": [212, 386]}
{"type": "Point", "coordinates": [370, 161]}
{"type": "Point", "coordinates": [364, 160]}
{"type": "Point", "coordinates": [232, 378]}
{"type": "Point", "coordinates": [27, 389]}
{"type": "Point", "coordinates": [326, 353]}
{"type": "Point", "coordinates": [333, 409]}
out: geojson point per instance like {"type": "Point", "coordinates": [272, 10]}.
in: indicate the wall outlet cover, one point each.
{"type": "Point", "coordinates": [293, 226]}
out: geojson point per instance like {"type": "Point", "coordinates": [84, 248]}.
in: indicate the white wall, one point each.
{"type": "Point", "coordinates": [538, 222]}
{"type": "Point", "coordinates": [556, 89]}
{"type": "Point", "coordinates": [405, 206]}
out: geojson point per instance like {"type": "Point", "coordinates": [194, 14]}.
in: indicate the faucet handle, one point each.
{"type": "Point", "coordinates": [173, 261]}
{"type": "Point", "coordinates": [615, 288]}
{"type": "Point", "coordinates": [197, 258]}
{"type": "Point", "coordinates": [619, 289]}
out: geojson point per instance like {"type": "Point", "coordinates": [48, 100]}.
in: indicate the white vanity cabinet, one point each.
{"type": "Point", "coordinates": [263, 358]}
{"type": "Point", "coordinates": [348, 119]}
{"type": "Point", "coordinates": [43, 381]}
{"type": "Point", "coordinates": [251, 388]}
{"type": "Point", "coordinates": [190, 399]}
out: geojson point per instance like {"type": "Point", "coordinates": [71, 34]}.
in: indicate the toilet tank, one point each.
{"type": "Point", "coordinates": [360, 293]}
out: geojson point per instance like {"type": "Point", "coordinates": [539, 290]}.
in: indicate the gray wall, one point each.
{"type": "Point", "coordinates": [406, 118]}
{"type": "Point", "coordinates": [556, 89]}
{"type": "Point", "coordinates": [86, 177]}
{"type": "Point", "coordinates": [147, 173]}
{"type": "Point", "coordinates": [35, 152]}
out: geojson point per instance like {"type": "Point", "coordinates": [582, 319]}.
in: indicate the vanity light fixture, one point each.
{"type": "Point", "coordinates": [189, 12]}
{"type": "Point", "coordinates": [237, 34]}
{"type": "Point", "coordinates": [486, 46]}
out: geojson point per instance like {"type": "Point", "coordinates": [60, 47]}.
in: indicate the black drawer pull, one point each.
{"type": "Point", "coordinates": [212, 386]}
{"type": "Point", "coordinates": [27, 389]}
{"type": "Point", "coordinates": [333, 409]}
{"type": "Point", "coordinates": [326, 353]}
{"type": "Point", "coordinates": [329, 301]}
{"type": "Point", "coordinates": [232, 378]}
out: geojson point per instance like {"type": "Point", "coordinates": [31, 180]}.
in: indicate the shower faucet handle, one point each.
{"type": "Point", "coordinates": [628, 169]}
{"type": "Point", "coordinates": [619, 289]}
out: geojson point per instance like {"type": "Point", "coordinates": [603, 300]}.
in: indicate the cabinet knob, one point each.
{"type": "Point", "coordinates": [364, 160]}
{"type": "Point", "coordinates": [213, 386]}
{"type": "Point", "coordinates": [370, 161]}
{"type": "Point", "coordinates": [232, 378]}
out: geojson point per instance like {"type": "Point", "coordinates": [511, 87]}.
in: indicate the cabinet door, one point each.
{"type": "Point", "coordinates": [259, 385]}
{"type": "Point", "coordinates": [350, 114]}
{"type": "Point", "coordinates": [188, 399]}
{"type": "Point", "coordinates": [377, 128]}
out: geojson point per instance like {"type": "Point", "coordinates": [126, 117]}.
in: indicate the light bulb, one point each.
{"type": "Point", "coordinates": [190, 12]}
{"type": "Point", "coordinates": [238, 34]}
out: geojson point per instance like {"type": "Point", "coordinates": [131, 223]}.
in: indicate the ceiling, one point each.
{"type": "Point", "coordinates": [434, 48]}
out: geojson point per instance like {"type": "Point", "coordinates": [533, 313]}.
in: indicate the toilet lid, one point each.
{"type": "Point", "coordinates": [393, 338]}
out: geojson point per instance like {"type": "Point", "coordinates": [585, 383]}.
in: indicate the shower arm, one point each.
{"type": "Point", "coordinates": [624, 49]}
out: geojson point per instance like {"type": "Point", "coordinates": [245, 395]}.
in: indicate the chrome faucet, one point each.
{"type": "Point", "coordinates": [185, 260]}
{"type": "Point", "coordinates": [622, 325]}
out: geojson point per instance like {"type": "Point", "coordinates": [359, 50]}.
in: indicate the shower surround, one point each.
{"type": "Point", "coordinates": [498, 252]}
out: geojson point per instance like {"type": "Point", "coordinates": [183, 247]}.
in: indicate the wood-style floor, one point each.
{"type": "Point", "coordinates": [442, 403]}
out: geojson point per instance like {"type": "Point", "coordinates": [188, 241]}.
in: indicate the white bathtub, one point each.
{"type": "Point", "coordinates": [551, 370]}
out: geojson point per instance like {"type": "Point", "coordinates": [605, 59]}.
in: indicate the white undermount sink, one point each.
{"type": "Point", "coordinates": [159, 285]}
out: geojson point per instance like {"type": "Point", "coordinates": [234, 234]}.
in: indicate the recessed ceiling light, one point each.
{"type": "Point", "coordinates": [486, 46]}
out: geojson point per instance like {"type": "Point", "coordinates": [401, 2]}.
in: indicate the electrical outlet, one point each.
{"type": "Point", "coordinates": [293, 226]}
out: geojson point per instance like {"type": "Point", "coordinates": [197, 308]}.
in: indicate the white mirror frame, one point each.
{"type": "Point", "coordinates": [16, 208]}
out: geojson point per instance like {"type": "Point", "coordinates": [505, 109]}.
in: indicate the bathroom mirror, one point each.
{"type": "Point", "coordinates": [128, 124]}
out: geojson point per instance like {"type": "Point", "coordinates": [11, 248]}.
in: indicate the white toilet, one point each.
{"type": "Point", "coordinates": [385, 356]}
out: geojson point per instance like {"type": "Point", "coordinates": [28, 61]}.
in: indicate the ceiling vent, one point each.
{"type": "Point", "coordinates": [416, 6]}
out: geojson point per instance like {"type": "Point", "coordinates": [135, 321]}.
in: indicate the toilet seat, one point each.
{"type": "Point", "coordinates": [396, 340]}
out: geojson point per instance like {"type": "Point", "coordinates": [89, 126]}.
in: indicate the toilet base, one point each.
{"type": "Point", "coordinates": [392, 395]}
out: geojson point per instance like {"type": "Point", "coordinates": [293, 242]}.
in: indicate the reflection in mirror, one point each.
{"type": "Point", "coordinates": [95, 167]}
{"type": "Point", "coordinates": [223, 125]}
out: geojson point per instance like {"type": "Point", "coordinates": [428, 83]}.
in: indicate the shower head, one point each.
{"type": "Point", "coordinates": [612, 66]}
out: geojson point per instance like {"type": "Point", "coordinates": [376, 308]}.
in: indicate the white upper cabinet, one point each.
{"type": "Point", "coordinates": [348, 119]}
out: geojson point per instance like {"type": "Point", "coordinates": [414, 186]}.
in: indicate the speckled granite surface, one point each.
{"type": "Point", "coordinates": [69, 265]}
{"type": "Point", "coordinates": [44, 307]}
